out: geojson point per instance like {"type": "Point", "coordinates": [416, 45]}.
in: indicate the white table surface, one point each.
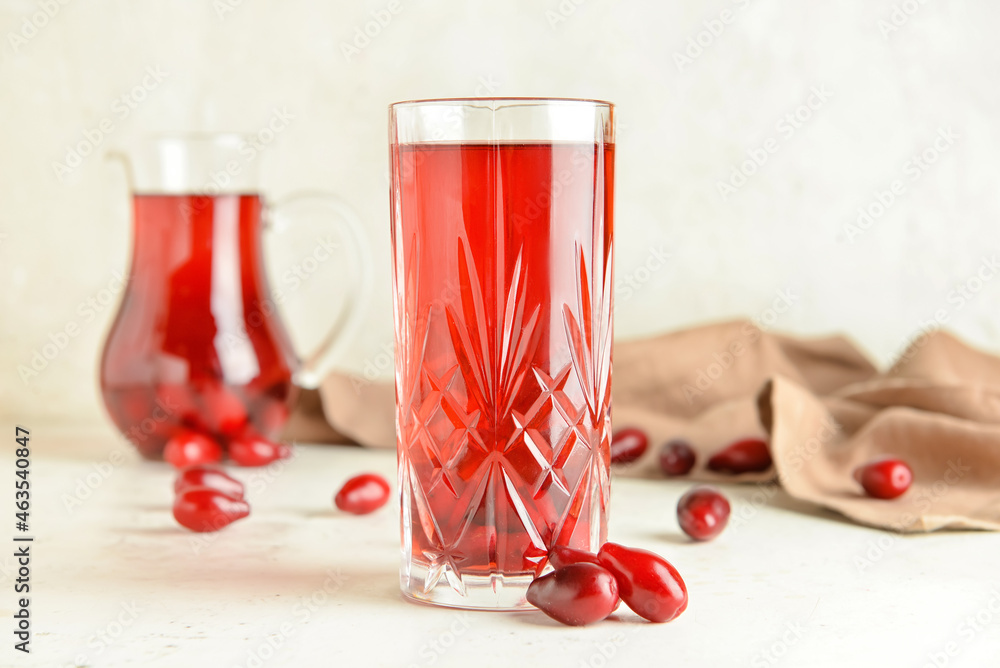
{"type": "Point", "coordinates": [115, 582]}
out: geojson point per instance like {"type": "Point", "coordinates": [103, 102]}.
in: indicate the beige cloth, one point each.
{"type": "Point", "coordinates": [823, 406]}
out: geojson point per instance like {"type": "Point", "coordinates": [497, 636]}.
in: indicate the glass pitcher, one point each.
{"type": "Point", "coordinates": [198, 341]}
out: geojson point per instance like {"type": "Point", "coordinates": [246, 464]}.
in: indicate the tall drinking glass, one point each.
{"type": "Point", "coordinates": [502, 245]}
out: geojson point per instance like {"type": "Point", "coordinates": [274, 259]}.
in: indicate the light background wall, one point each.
{"type": "Point", "coordinates": [684, 127]}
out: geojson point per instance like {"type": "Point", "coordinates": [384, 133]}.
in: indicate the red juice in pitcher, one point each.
{"type": "Point", "coordinates": [197, 341]}
{"type": "Point", "coordinates": [503, 285]}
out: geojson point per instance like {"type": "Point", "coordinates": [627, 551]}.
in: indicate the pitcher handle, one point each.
{"type": "Point", "coordinates": [359, 292]}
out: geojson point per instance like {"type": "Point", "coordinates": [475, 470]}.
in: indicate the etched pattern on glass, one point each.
{"type": "Point", "coordinates": [504, 447]}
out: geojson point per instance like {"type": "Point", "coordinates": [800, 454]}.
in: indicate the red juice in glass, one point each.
{"type": "Point", "coordinates": [503, 260]}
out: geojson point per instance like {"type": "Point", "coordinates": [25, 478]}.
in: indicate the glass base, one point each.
{"type": "Point", "coordinates": [471, 592]}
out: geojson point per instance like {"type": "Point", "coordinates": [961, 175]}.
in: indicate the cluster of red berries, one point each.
{"type": "Point", "coordinates": [748, 455]}
{"type": "Point", "coordinates": [188, 447]}
{"type": "Point", "coordinates": [586, 587]}
{"type": "Point", "coordinates": [583, 587]}
{"type": "Point", "coordinates": [208, 499]}
{"type": "Point", "coordinates": [881, 479]}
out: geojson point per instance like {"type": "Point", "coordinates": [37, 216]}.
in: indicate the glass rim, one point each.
{"type": "Point", "coordinates": [470, 101]}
